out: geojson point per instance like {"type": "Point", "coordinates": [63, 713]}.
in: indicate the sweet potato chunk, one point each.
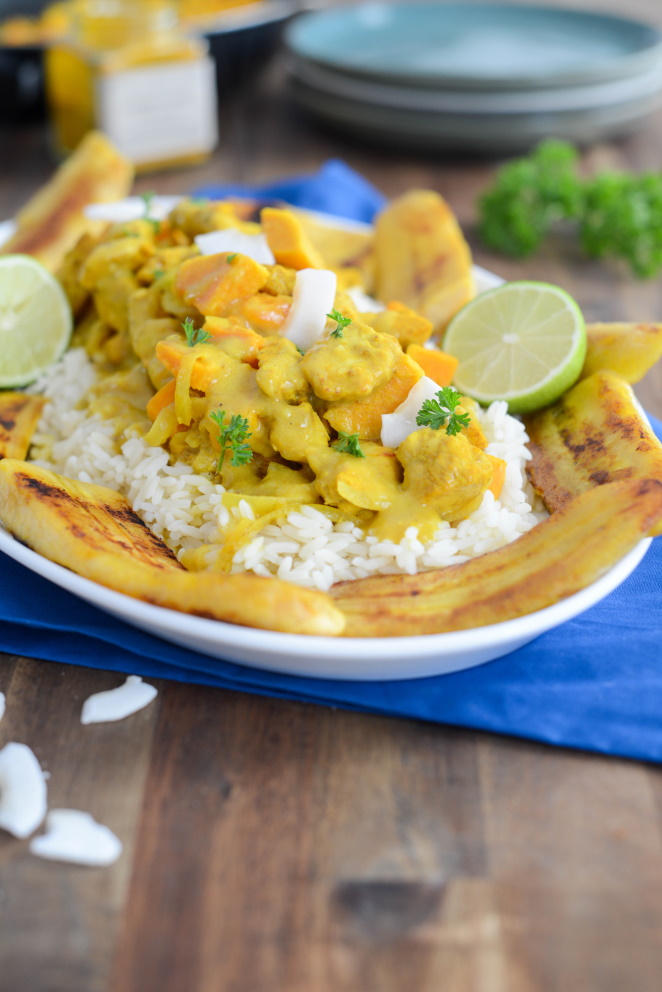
{"type": "Point", "coordinates": [215, 285]}
{"type": "Point", "coordinates": [288, 241]}
{"type": "Point", "coordinates": [364, 417]}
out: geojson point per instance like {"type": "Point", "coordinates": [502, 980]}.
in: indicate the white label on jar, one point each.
{"type": "Point", "coordinates": [158, 113]}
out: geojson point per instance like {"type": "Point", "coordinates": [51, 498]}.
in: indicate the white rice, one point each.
{"type": "Point", "coordinates": [304, 547]}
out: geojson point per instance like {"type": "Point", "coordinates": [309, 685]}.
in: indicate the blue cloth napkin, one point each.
{"type": "Point", "coordinates": [593, 683]}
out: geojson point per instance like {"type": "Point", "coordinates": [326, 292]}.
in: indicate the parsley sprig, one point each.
{"type": "Point", "coordinates": [341, 322]}
{"type": "Point", "coordinates": [232, 437]}
{"type": "Point", "coordinates": [348, 443]}
{"type": "Point", "coordinates": [148, 199]}
{"type": "Point", "coordinates": [441, 412]}
{"type": "Point", "coordinates": [194, 335]}
{"type": "Point", "coordinates": [612, 214]}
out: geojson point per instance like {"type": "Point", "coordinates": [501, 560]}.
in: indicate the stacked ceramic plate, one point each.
{"type": "Point", "coordinates": [474, 76]}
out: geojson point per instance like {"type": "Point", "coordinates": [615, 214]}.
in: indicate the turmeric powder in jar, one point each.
{"type": "Point", "coordinates": [127, 70]}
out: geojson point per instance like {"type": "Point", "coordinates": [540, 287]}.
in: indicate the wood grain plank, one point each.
{"type": "Point", "coordinates": [58, 922]}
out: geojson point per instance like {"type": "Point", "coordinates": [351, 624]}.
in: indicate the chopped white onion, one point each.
{"type": "Point", "coordinates": [2, 705]}
{"type": "Point", "coordinates": [116, 704]}
{"type": "Point", "coordinates": [363, 302]}
{"type": "Point", "coordinates": [132, 208]}
{"type": "Point", "coordinates": [76, 837]}
{"type": "Point", "coordinates": [234, 240]}
{"type": "Point", "coordinates": [22, 790]}
{"type": "Point", "coordinates": [401, 423]}
{"type": "Point", "coordinates": [313, 297]}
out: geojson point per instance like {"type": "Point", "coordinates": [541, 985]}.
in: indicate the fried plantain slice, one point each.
{"type": "Point", "coordinates": [53, 220]}
{"type": "Point", "coordinates": [555, 559]}
{"type": "Point", "coordinates": [594, 434]}
{"type": "Point", "coordinates": [630, 350]}
{"type": "Point", "coordinates": [19, 415]}
{"type": "Point", "coordinates": [422, 258]}
{"type": "Point", "coordinates": [93, 531]}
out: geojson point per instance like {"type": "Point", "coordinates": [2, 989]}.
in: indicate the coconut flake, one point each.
{"type": "Point", "coordinates": [116, 704]}
{"type": "Point", "coordinates": [131, 208]}
{"type": "Point", "coordinates": [2, 705]}
{"type": "Point", "coordinates": [401, 423]}
{"type": "Point", "coordinates": [22, 790]}
{"type": "Point", "coordinates": [313, 297]}
{"type": "Point", "coordinates": [75, 836]}
{"type": "Point", "coordinates": [255, 246]}
{"type": "Point", "coordinates": [363, 302]}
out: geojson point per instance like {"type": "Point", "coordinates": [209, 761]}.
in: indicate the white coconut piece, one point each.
{"type": "Point", "coordinates": [363, 302]}
{"type": "Point", "coordinates": [401, 423]}
{"type": "Point", "coordinates": [313, 297]}
{"type": "Point", "coordinates": [131, 208]}
{"type": "Point", "coordinates": [234, 240]}
{"type": "Point", "coordinates": [2, 705]}
{"type": "Point", "coordinates": [75, 836]}
{"type": "Point", "coordinates": [116, 704]}
{"type": "Point", "coordinates": [22, 790]}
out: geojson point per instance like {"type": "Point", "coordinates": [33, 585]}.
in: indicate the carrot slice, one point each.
{"type": "Point", "coordinates": [288, 240]}
{"type": "Point", "coordinates": [215, 285]}
{"type": "Point", "coordinates": [498, 475]}
{"type": "Point", "coordinates": [161, 399]}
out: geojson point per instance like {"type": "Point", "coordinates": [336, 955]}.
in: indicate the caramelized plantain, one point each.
{"type": "Point", "coordinates": [593, 435]}
{"type": "Point", "coordinates": [94, 532]}
{"type": "Point", "coordinates": [630, 350]}
{"type": "Point", "coordinates": [422, 258]}
{"type": "Point", "coordinates": [555, 559]}
{"type": "Point", "coordinates": [19, 414]}
{"type": "Point", "coordinates": [53, 220]}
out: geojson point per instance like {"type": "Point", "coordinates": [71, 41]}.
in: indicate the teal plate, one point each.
{"type": "Point", "coordinates": [475, 46]}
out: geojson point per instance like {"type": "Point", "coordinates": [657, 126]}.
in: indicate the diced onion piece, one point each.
{"type": "Point", "coordinates": [313, 297]}
{"type": "Point", "coordinates": [76, 837]}
{"type": "Point", "coordinates": [363, 302]}
{"type": "Point", "coordinates": [233, 240]}
{"type": "Point", "coordinates": [2, 705]}
{"type": "Point", "coordinates": [132, 208]}
{"type": "Point", "coordinates": [401, 423]}
{"type": "Point", "coordinates": [116, 704]}
{"type": "Point", "coordinates": [22, 790]}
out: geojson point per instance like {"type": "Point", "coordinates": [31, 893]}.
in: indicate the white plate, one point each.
{"type": "Point", "coordinates": [353, 658]}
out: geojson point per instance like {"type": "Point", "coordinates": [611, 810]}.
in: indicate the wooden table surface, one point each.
{"type": "Point", "coordinates": [272, 845]}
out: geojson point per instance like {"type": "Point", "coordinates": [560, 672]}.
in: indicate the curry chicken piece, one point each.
{"type": "Point", "coordinates": [352, 366]}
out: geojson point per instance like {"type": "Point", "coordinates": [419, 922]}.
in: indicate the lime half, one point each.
{"type": "Point", "coordinates": [523, 342]}
{"type": "Point", "coordinates": [35, 320]}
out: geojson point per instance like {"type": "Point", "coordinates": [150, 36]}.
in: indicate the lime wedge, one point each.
{"type": "Point", "coordinates": [523, 342]}
{"type": "Point", "coordinates": [35, 320]}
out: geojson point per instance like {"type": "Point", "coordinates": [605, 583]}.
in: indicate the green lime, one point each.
{"type": "Point", "coordinates": [35, 320]}
{"type": "Point", "coordinates": [523, 342]}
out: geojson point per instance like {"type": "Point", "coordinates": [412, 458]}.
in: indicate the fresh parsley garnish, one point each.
{"type": "Point", "coordinates": [232, 437]}
{"type": "Point", "coordinates": [230, 258]}
{"type": "Point", "coordinates": [148, 199]}
{"type": "Point", "coordinates": [158, 274]}
{"type": "Point", "coordinates": [349, 443]}
{"type": "Point", "coordinates": [194, 335]}
{"type": "Point", "coordinates": [341, 322]}
{"type": "Point", "coordinates": [611, 214]}
{"type": "Point", "coordinates": [441, 412]}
